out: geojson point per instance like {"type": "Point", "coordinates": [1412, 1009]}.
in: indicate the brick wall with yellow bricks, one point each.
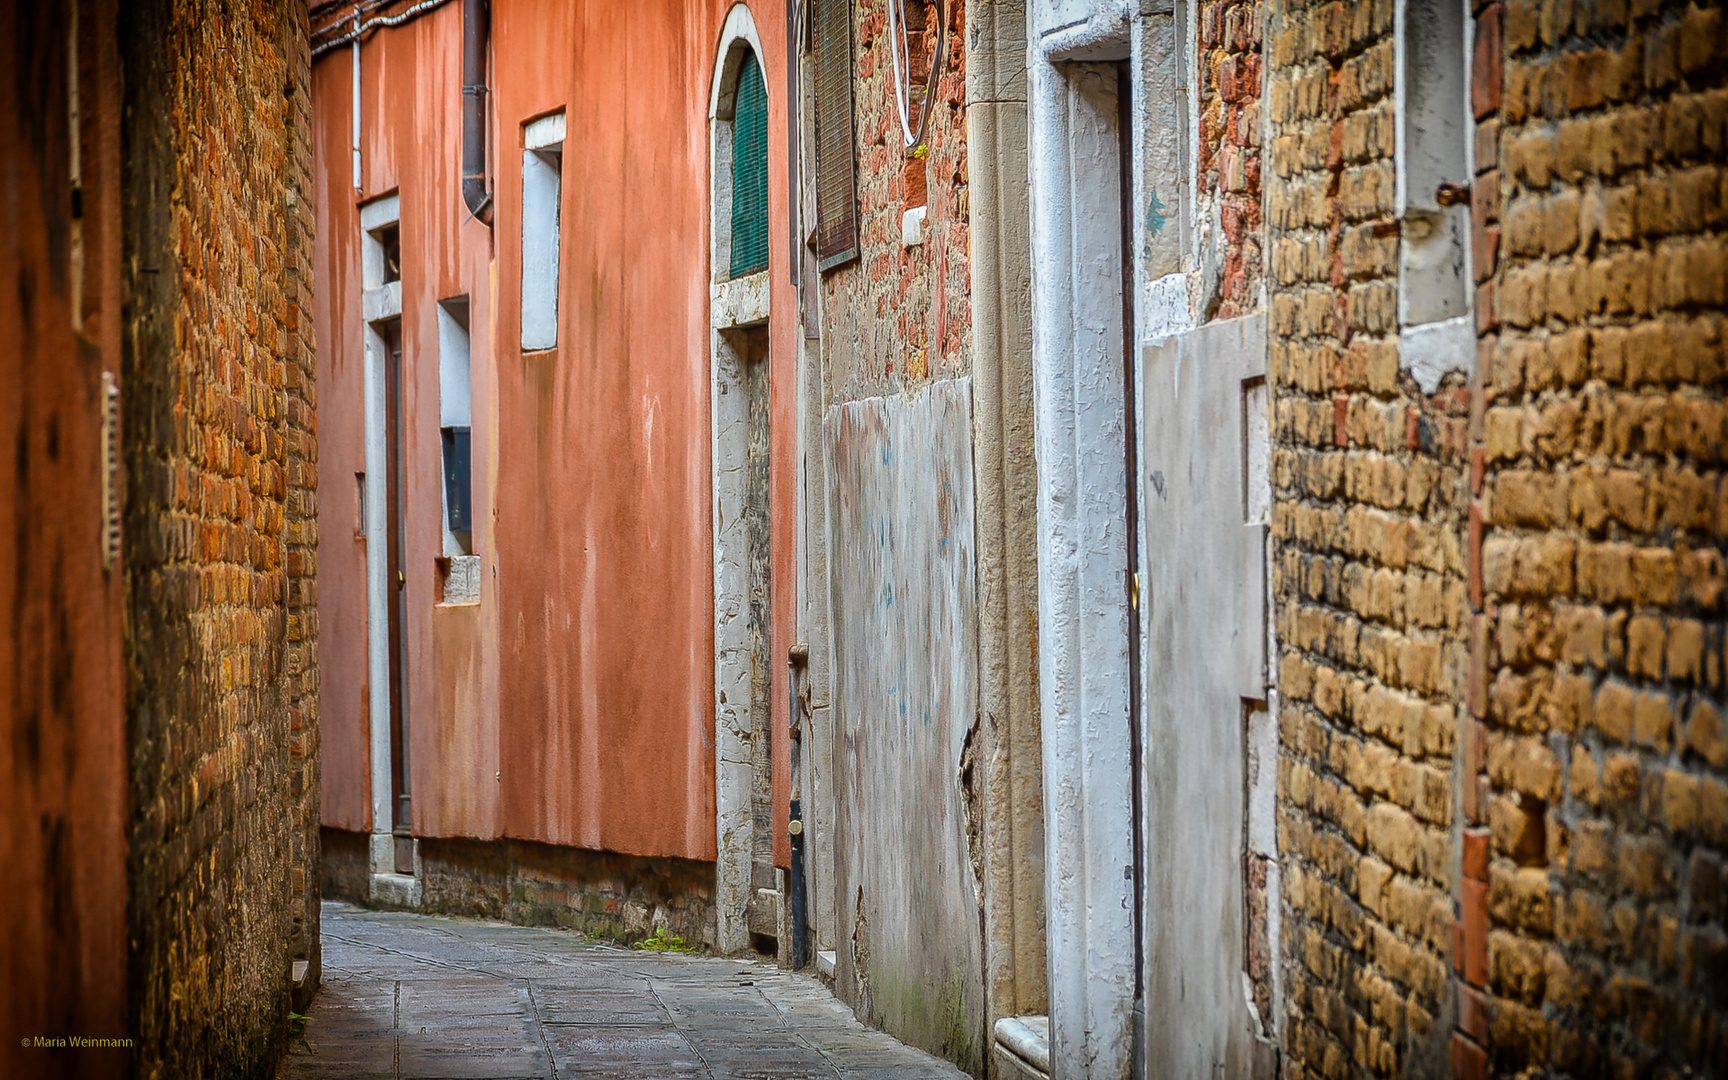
{"type": "Point", "coordinates": [1598, 786]}
{"type": "Point", "coordinates": [1500, 606]}
{"type": "Point", "coordinates": [1368, 586]}
{"type": "Point", "coordinates": [219, 450]}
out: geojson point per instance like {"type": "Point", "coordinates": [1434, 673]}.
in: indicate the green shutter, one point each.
{"type": "Point", "coordinates": [750, 171]}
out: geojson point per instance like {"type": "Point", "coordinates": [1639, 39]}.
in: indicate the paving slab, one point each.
{"type": "Point", "coordinates": [415, 997]}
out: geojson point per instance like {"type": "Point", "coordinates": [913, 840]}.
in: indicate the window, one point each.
{"type": "Point", "coordinates": [381, 250]}
{"type": "Point", "coordinates": [389, 240]}
{"type": "Point", "coordinates": [750, 171]}
{"type": "Point", "coordinates": [455, 421]}
{"type": "Point", "coordinates": [1433, 167]}
{"type": "Point", "coordinates": [542, 192]}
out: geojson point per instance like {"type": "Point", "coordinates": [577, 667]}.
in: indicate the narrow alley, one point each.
{"type": "Point", "coordinates": [1040, 539]}
{"type": "Point", "coordinates": [409, 996]}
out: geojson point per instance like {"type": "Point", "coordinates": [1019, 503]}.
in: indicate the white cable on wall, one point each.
{"type": "Point", "coordinates": [900, 53]}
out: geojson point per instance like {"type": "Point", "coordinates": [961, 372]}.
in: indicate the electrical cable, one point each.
{"type": "Point", "coordinates": [383, 20]}
{"type": "Point", "coordinates": [900, 52]}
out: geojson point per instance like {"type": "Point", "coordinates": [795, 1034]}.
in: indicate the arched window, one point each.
{"type": "Point", "coordinates": [749, 170]}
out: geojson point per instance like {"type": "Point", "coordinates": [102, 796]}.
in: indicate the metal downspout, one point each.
{"type": "Point", "coordinates": [475, 30]}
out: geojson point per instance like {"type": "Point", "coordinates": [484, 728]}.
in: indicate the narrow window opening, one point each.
{"type": "Point", "coordinates": [1433, 166]}
{"type": "Point", "coordinates": [458, 566]}
{"type": "Point", "coordinates": [381, 256]}
{"type": "Point", "coordinates": [390, 244]}
{"type": "Point", "coordinates": [542, 196]}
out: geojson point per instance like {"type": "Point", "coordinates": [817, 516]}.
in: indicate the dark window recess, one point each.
{"type": "Point", "coordinates": [390, 239]}
{"type": "Point", "coordinates": [750, 171]}
{"type": "Point", "coordinates": [458, 476]}
{"type": "Point", "coordinates": [836, 196]}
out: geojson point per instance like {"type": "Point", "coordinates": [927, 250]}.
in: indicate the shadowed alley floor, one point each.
{"type": "Point", "coordinates": [420, 996]}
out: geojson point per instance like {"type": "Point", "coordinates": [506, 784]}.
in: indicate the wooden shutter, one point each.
{"type": "Point", "coordinates": [836, 197]}
{"type": "Point", "coordinates": [750, 171]}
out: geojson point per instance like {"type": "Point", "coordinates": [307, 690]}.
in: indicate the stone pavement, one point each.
{"type": "Point", "coordinates": [421, 996]}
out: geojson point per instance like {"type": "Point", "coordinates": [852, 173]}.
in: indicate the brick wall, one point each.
{"type": "Point", "coordinates": [219, 450]}
{"type": "Point", "coordinates": [1368, 576]}
{"type": "Point", "coordinates": [1598, 566]}
{"type": "Point", "coordinates": [1503, 799]}
{"type": "Point", "coordinates": [1229, 62]}
{"type": "Point", "coordinates": [904, 314]}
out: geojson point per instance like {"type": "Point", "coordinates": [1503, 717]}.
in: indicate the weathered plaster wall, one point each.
{"type": "Point", "coordinates": [220, 451]}
{"type": "Point", "coordinates": [906, 678]}
{"type": "Point", "coordinates": [63, 828]}
{"type": "Point", "coordinates": [452, 681]}
{"type": "Point", "coordinates": [605, 588]}
{"type": "Point", "coordinates": [573, 705]}
{"type": "Point", "coordinates": [899, 542]}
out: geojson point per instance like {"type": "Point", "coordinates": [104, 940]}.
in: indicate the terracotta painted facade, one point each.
{"type": "Point", "coordinates": [63, 757]}
{"type": "Point", "coordinates": [573, 705]}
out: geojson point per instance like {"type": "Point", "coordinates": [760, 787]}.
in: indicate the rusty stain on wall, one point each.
{"type": "Point", "coordinates": [573, 705]}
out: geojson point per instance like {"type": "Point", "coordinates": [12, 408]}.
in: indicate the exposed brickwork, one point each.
{"type": "Point", "coordinates": [1506, 598]}
{"type": "Point", "coordinates": [1599, 220]}
{"type": "Point", "coordinates": [220, 455]}
{"type": "Point", "coordinates": [1369, 571]}
{"type": "Point", "coordinates": [1230, 58]}
{"type": "Point", "coordinates": [904, 314]}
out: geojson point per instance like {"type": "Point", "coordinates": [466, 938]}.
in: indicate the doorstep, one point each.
{"type": "Point", "coordinates": [1022, 1048]}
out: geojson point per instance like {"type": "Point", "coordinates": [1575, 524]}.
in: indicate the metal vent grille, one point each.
{"type": "Point", "coordinates": [110, 470]}
{"type": "Point", "coordinates": [750, 171]}
{"type": "Point", "coordinates": [836, 198]}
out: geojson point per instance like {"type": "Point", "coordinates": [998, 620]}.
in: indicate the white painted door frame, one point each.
{"type": "Point", "coordinates": [1083, 612]}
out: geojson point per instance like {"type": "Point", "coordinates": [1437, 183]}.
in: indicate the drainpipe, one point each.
{"type": "Point", "coordinates": [474, 35]}
{"type": "Point", "coordinates": [357, 97]}
{"type": "Point", "coordinates": [796, 660]}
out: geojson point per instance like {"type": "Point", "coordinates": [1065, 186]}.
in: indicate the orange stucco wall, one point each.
{"type": "Point", "coordinates": [574, 704]}
{"type": "Point", "coordinates": [63, 734]}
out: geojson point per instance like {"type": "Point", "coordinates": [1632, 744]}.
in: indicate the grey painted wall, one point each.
{"type": "Point", "coordinates": [1205, 658]}
{"type": "Point", "coordinates": [906, 699]}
